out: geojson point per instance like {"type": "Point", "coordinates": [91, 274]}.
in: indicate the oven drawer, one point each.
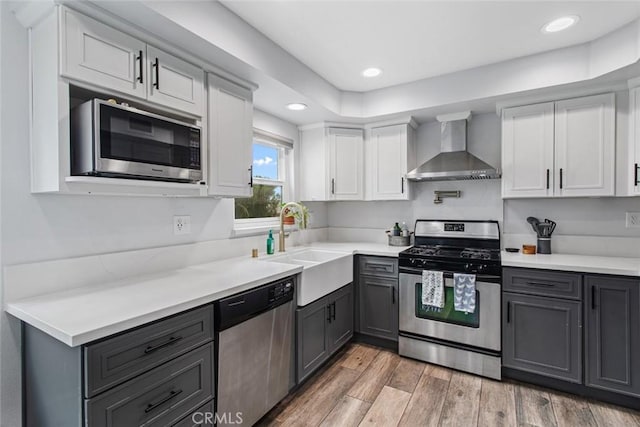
{"type": "Point", "coordinates": [115, 360]}
{"type": "Point", "coordinates": [378, 266]}
{"type": "Point", "coordinates": [542, 282]}
{"type": "Point", "coordinates": [159, 397]}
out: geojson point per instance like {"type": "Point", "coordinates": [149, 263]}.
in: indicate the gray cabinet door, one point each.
{"type": "Point", "coordinates": [542, 335]}
{"type": "Point", "coordinates": [378, 303]}
{"type": "Point", "coordinates": [341, 317]}
{"type": "Point", "coordinates": [312, 336]}
{"type": "Point", "coordinates": [612, 308]}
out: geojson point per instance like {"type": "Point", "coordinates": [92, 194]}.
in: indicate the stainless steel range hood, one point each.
{"type": "Point", "coordinates": [454, 161]}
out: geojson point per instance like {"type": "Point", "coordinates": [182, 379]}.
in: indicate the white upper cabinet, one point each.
{"type": "Point", "coordinates": [103, 56]}
{"type": "Point", "coordinates": [331, 163]}
{"type": "Point", "coordinates": [98, 54]}
{"type": "Point", "coordinates": [634, 143]}
{"type": "Point", "coordinates": [390, 154]}
{"type": "Point", "coordinates": [585, 146]}
{"type": "Point", "coordinates": [346, 164]}
{"type": "Point", "coordinates": [527, 151]}
{"type": "Point", "coordinates": [174, 82]}
{"type": "Point", "coordinates": [230, 138]}
{"type": "Point", "coordinates": [561, 149]}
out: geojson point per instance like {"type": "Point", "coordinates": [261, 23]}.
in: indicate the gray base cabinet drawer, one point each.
{"type": "Point", "coordinates": [542, 282]}
{"type": "Point", "coordinates": [543, 336]}
{"type": "Point", "coordinates": [159, 397]}
{"type": "Point", "coordinates": [117, 359]}
{"type": "Point", "coordinates": [378, 266]}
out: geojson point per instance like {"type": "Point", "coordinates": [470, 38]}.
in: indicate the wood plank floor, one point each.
{"type": "Point", "coordinates": [364, 385]}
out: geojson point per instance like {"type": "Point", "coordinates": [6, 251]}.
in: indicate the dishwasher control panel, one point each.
{"type": "Point", "coordinates": [237, 308]}
{"type": "Point", "coordinates": [282, 290]}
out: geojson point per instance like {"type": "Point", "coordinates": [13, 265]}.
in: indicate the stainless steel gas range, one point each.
{"type": "Point", "coordinates": [464, 340]}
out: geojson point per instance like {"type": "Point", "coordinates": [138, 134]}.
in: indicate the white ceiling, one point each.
{"type": "Point", "coordinates": [413, 40]}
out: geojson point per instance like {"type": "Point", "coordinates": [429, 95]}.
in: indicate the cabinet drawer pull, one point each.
{"type": "Point", "coordinates": [546, 285]}
{"type": "Point", "coordinates": [333, 186]}
{"type": "Point", "coordinates": [402, 185]}
{"type": "Point", "coordinates": [374, 266]}
{"type": "Point", "coordinates": [140, 67]}
{"type": "Point", "coordinates": [635, 175]}
{"type": "Point", "coordinates": [508, 311]}
{"type": "Point", "coordinates": [151, 406]}
{"type": "Point", "coordinates": [157, 67]}
{"type": "Point", "coordinates": [171, 340]}
{"type": "Point", "coordinates": [593, 297]}
{"type": "Point", "coordinates": [561, 178]}
{"type": "Point", "coordinates": [333, 308]}
{"type": "Point", "coordinates": [328, 313]}
{"type": "Point", "coordinates": [393, 295]}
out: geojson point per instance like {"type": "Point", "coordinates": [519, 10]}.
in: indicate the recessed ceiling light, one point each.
{"type": "Point", "coordinates": [372, 72]}
{"type": "Point", "coordinates": [296, 106]}
{"type": "Point", "coordinates": [560, 24]}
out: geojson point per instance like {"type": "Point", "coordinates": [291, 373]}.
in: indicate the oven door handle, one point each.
{"type": "Point", "coordinates": [449, 275]}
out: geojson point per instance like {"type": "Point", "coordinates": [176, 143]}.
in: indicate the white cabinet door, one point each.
{"type": "Point", "coordinates": [634, 143]}
{"type": "Point", "coordinates": [95, 53]}
{"type": "Point", "coordinates": [585, 146]}
{"type": "Point", "coordinates": [388, 159]}
{"type": "Point", "coordinates": [345, 164]}
{"type": "Point", "coordinates": [230, 138]}
{"type": "Point", "coordinates": [174, 83]}
{"type": "Point", "coordinates": [527, 151]}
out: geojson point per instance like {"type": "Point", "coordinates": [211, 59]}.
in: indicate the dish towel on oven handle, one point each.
{"type": "Point", "coordinates": [433, 288]}
{"type": "Point", "coordinates": [464, 292]}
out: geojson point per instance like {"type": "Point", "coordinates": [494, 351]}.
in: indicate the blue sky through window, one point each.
{"type": "Point", "coordinates": [265, 162]}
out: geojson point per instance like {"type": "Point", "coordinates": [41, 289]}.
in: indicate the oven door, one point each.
{"type": "Point", "coordinates": [479, 329]}
{"type": "Point", "coordinates": [135, 142]}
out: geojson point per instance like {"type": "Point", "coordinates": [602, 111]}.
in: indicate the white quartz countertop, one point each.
{"type": "Point", "coordinates": [579, 263]}
{"type": "Point", "coordinates": [81, 315]}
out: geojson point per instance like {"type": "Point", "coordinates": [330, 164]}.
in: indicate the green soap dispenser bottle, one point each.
{"type": "Point", "coordinates": [270, 243]}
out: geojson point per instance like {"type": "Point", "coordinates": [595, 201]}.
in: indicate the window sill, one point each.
{"type": "Point", "coordinates": [246, 230]}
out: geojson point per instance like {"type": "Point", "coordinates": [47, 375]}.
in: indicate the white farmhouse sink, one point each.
{"type": "Point", "coordinates": [322, 271]}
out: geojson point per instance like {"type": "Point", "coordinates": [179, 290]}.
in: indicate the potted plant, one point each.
{"type": "Point", "coordinates": [293, 215]}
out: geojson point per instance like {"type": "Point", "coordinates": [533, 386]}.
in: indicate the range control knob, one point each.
{"type": "Point", "coordinates": [467, 267]}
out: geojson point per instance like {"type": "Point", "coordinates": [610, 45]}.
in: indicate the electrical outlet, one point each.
{"type": "Point", "coordinates": [633, 219]}
{"type": "Point", "coordinates": [181, 224]}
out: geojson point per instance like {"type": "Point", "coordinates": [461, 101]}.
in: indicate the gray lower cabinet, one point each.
{"type": "Point", "coordinates": [378, 297]}
{"type": "Point", "coordinates": [154, 375]}
{"type": "Point", "coordinates": [378, 308]}
{"type": "Point", "coordinates": [322, 328]}
{"type": "Point", "coordinates": [612, 313]}
{"type": "Point", "coordinates": [542, 335]}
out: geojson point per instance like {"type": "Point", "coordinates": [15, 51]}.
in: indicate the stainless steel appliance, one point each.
{"type": "Point", "coordinates": [254, 351]}
{"type": "Point", "coordinates": [465, 341]}
{"type": "Point", "coordinates": [114, 140]}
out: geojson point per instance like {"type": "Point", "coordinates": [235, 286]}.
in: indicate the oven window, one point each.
{"type": "Point", "coordinates": [138, 138]}
{"type": "Point", "coordinates": [447, 314]}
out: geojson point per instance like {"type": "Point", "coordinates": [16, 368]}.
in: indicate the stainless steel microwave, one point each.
{"type": "Point", "coordinates": [113, 140]}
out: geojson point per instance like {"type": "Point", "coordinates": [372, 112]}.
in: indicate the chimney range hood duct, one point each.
{"type": "Point", "coordinates": [454, 161]}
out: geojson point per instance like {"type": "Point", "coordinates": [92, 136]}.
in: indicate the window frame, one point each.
{"type": "Point", "coordinates": [248, 226]}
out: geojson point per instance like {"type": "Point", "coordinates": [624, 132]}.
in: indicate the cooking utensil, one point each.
{"type": "Point", "coordinates": [534, 223]}
{"type": "Point", "coordinates": [553, 225]}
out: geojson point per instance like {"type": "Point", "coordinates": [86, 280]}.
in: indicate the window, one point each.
{"type": "Point", "coordinates": [271, 181]}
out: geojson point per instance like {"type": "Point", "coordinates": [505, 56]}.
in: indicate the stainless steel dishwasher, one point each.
{"type": "Point", "coordinates": [254, 342]}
